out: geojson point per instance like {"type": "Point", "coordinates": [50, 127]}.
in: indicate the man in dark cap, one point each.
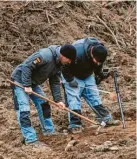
{"type": "Point", "coordinates": [79, 81]}
{"type": "Point", "coordinates": [36, 69]}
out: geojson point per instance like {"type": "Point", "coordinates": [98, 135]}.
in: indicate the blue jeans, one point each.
{"type": "Point", "coordinates": [22, 107]}
{"type": "Point", "coordinates": [87, 89]}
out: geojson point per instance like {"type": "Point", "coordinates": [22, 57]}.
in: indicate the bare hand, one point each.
{"type": "Point", "coordinates": [28, 90]}
{"type": "Point", "coordinates": [61, 105]}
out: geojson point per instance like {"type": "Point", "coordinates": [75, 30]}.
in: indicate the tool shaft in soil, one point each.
{"type": "Point", "coordinates": [119, 98]}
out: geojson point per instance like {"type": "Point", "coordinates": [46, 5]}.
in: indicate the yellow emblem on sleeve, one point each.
{"type": "Point", "coordinates": [37, 60]}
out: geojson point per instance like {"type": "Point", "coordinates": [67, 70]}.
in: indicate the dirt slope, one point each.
{"type": "Point", "coordinates": [28, 26]}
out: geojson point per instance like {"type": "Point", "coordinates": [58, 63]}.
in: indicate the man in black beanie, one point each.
{"type": "Point", "coordinates": [99, 52]}
{"type": "Point", "coordinates": [36, 69]}
{"type": "Point", "coordinates": [68, 51]}
{"type": "Point", "coordinates": [79, 81]}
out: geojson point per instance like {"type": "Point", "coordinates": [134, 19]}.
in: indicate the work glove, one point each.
{"type": "Point", "coordinates": [101, 76]}
{"type": "Point", "coordinates": [73, 83]}
{"type": "Point", "coordinates": [106, 73]}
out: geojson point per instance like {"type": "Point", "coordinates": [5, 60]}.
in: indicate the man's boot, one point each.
{"type": "Point", "coordinates": [75, 125]}
{"type": "Point", "coordinates": [102, 114]}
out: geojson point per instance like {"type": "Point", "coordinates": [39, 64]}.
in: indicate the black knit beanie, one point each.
{"type": "Point", "coordinates": [99, 53]}
{"type": "Point", "coordinates": [68, 51]}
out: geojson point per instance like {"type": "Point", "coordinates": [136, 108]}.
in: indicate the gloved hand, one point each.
{"type": "Point", "coordinates": [103, 75]}
{"type": "Point", "coordinates": [98, 79]}
{"type": "Point", "coordinates": [73, 83]}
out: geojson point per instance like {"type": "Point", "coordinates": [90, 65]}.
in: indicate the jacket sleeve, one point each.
{"type": "Point", "coordinates": [54, 82]}
{"type": "Point", "coordinates": [98, 70]}
{"type": "Point", "coordinates": [26, 75]}
{"type": "Point", "coordinates": [67, 73]}
{"type": "Point", "coordinates": [30, 64]}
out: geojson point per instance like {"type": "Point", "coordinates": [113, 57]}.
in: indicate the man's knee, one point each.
{"type": "Point", "coordinates": [25, 119]}
{"type": "Point", "coordinates": [46, 109]}
{"type": "Point", "coordinates": [75, 119]}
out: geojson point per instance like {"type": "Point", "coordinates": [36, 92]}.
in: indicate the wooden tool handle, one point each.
{"type": "Point", "coordinates": [65, 108]}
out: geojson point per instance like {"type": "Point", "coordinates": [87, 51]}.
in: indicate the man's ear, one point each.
{"type": "Point", "coordinates": [89, 51]}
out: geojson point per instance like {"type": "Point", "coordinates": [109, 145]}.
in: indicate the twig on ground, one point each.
{"type": "Point", "coordinates": [47, 16]}
{"type": "Point", "coordinates": [109, 30]}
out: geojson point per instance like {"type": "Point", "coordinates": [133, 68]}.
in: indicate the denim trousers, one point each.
{"type": "Point", "coordinates": [22, 108]}
{"type": "Point", "coordinates": [87, 89]}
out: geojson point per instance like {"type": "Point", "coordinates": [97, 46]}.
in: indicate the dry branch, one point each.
{"type": "Point", "coordinates": [109, 30]}
{"type": "Point", "coordinates": [111, 4]}
{"type": "Point", "coordinates": [47, 16]}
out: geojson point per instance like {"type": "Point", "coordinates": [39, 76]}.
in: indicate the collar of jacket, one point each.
{"type": "Point", "coordinates": [57, 54]}
{"type": "Point", "coordinates": [55, 49]}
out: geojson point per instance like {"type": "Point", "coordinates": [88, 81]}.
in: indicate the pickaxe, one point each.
{"type": "Point", "coordinates": [65, 108]}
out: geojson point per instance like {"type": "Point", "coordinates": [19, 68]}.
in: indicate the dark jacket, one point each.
{"type": "Point", "coordinates": [39, 67]}
{"type": "Point", "coordinates": [84, 66]}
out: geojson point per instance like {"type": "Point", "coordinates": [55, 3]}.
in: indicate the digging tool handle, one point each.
{"type": "Point", "coordinates": [119, 98]}
{"type": "Point", "coordinates": [82, 117]}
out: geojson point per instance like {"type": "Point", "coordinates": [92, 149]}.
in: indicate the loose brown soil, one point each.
{"type": "Point", "coordinates": [28, 26]}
